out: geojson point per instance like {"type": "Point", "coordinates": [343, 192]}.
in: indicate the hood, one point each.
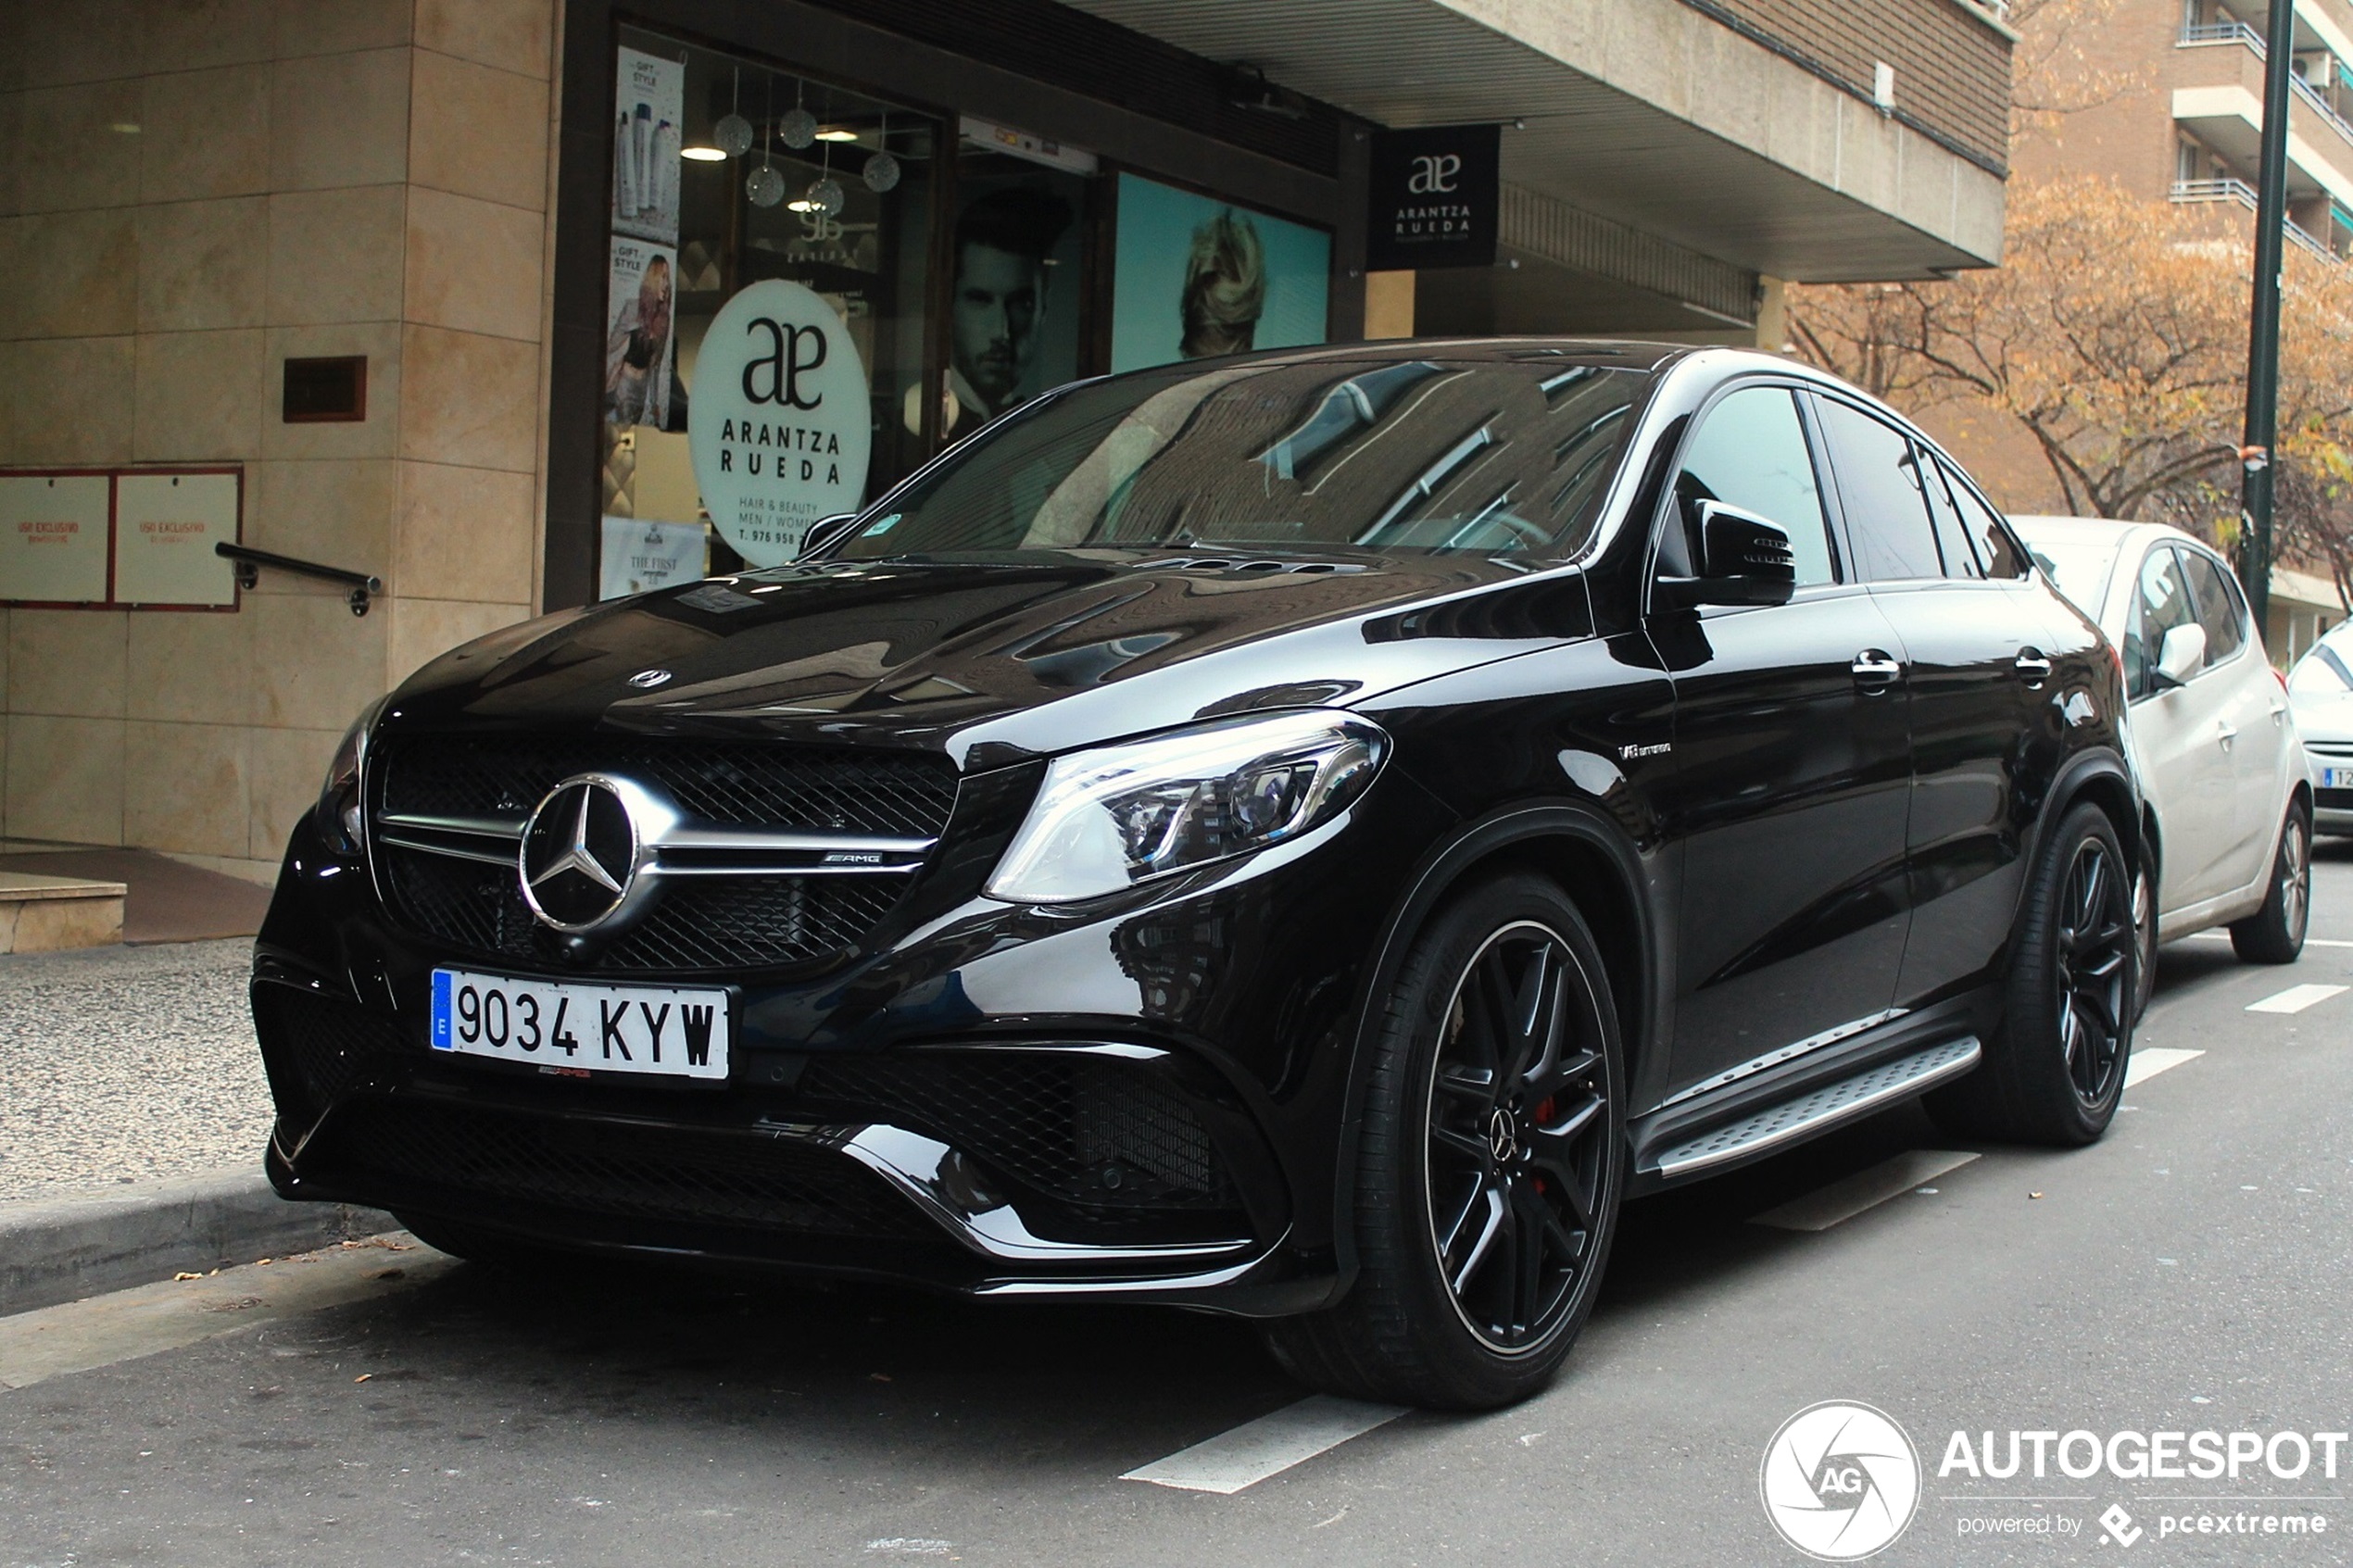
{"type": "Point", "coordinates": [995, 660]}
{"type": "Point", "coordinates": [2323, 716]}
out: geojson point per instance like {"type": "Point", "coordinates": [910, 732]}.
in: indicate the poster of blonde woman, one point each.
{"type": "Point", "coordinates": [1193, 278]}
{"type": "Point", "coordinates": [639, 338]}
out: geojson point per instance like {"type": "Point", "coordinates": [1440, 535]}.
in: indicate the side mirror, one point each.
{"type": "Point", "coordinates": [1744, 559]}
{"type": "Point", "coordinates": [824, 534]}
{"type": "Point", "coordinates": [2179, 655]}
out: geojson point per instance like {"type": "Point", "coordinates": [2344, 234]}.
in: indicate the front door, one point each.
{"type": "Point", "coordinates": [1792, 767]}
{"type": "Point", "coordinates": [2179, 731]}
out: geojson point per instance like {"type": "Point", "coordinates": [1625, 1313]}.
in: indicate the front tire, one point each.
{"type": "Point", "coordinates": [2054, 1071]}
{"type": "Point", "coordinates": [2145, 918]}
{"type": "Point", "coordinates": [2274, 933]}
{"type": "Point", "coordinates": [1491, 1166]}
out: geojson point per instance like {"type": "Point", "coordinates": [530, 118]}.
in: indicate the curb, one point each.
{"type": "Point", "coordinates": [64, 1248]}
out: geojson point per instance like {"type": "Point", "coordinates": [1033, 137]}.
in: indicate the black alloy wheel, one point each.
{"type": "Point", "coordinates": [1517, 1119]}
{"type": "Point", "coordinates": [1491, 1165]}
{"type": "Point", "coordinates": [2097, 944]}
{"type": "Point", "coordinates": [2052, 1072]}
{"type": "Point", "coordinates": [2274, 933]}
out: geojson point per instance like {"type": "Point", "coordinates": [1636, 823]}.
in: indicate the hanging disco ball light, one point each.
{"type": "Point", "coordinates": [763, 187]}
{"type": "Point", "coordinates": [798, 128]}
{"type": "Point", "coordinates": [732, 135]}
{"type": "Point", "coordinates": [824, 196]}
{"type": "Point", "coordinates": [881, 172]}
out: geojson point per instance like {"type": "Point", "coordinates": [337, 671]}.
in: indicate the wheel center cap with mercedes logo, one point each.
{"type": "Point", "coordinates": [581, 854]}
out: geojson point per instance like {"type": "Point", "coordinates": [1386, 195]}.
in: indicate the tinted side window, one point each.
{"type": "Point", "coordinates": [1751, 453]}
{"type": "Point", "coordinates": [1996, 551]}
{"type": "Point", "coordinates": [2219, 608]}
{"type": "Point", "coordinates": [1952, 533]}
{"type": "Point", "coordinates": [2162, 603]}
{"type": "Point", "coordinates": [1879, 479]}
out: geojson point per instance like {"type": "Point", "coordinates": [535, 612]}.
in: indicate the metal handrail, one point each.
{"type": "Point", "coordinates": [250, 562]}
{"type": "Point", "coordinates": [2235, 190]}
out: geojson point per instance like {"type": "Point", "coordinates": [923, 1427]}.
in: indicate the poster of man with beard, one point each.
{"type": "Point", "coordinates": [1006, 310]}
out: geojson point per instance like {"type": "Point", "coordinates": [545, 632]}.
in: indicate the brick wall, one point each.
{"type": "Point", "coordinates": [1952, 68]}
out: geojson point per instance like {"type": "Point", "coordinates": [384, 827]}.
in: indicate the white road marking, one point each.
{"type": "Point", "coordinates": [2296, 998]}
{"type": "Point", "coordinates": [1272, 1444]}
{"type": "Point", "coordinates": [1850, 1196]}
{"type": "Point", "coordinates": [2148, 1062]}
{"type": "Point", "coordinates": [77, 1335]}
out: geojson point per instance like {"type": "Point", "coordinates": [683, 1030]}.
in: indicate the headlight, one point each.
{"type": "Point", "coordinates": [342, 816]}
{"type": "Point", "coordinates": [1119, 815]}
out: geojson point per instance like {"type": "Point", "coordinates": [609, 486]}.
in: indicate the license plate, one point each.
{"type": "Point", "coordinates": [2337, 778]}
{"type": "Point", "coordinates": [675, 1031]}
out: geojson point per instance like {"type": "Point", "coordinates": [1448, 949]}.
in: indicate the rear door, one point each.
{"type": "Point", "coordinates": [2251, 711]}
{"type": "Point", "coordinates": [1792, 765]}
{"type": "Point", "coordinates": [1948, 578]}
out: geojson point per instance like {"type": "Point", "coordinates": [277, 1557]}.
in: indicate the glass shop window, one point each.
{"type": "Point", "coordinates": [766, 319]}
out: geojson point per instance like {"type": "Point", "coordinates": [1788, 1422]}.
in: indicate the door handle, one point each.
{"type": "Point", "coordinates": [2224, 732]}
{"type": "Point", "coordinates": [2033, 668]}
{"type": "Point", "coordinates": [1876, 670]}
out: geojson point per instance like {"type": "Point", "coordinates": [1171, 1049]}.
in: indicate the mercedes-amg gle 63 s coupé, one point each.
{"type": "Point", "coordinates": [1305, 835]}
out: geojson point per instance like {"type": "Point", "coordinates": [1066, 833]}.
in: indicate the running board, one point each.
{"type": "Point", "coordinates": [1820, 1109]}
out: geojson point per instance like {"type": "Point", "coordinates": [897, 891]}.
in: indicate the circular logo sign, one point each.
{"type": "Point", "coordinates": [1841, 1481]}
{"type": "Point", "coordinates": [779, 426]}
{"type": "Point", "coordinates": [579, 854]}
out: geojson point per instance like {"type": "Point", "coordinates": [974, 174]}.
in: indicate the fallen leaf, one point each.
{"type": "Point", "coordinates": [2034, 1195]}
{"type": "Point", "coordinates": [184, 1274]}
{"type": "Point", "coordinates": [363, 1378]}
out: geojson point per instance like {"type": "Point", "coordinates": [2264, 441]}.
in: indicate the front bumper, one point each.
{"type": "Point", "coordinates": [1145, 1104]}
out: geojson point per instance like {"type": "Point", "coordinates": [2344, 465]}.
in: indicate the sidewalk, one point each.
{"type": "Point", "coordinates": [133, 1114]}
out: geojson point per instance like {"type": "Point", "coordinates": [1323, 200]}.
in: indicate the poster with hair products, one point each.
{"type": "Point", "coordinates": [649, 115]}
{"type": "Point", "coordinates": [1193, 278]}
{"type": "Point", "coordinates": [641, 334]}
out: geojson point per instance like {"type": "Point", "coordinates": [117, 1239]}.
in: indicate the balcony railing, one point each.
{"type": "Point", "coordinates": [2239, 191]}
{"type": "Point", "coordinates": [2239, 33]}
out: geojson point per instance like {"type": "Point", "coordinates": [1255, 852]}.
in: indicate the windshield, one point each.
{"type": "Point", "coordinates": [2079, 567]}
{"type": "Point", "coordinates": [1392, 456]}
{"type": "Point", "coordinates": [2327, 670]}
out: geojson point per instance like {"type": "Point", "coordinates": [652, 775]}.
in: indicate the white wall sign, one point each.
{"type": "Point", "coordinates": [166, 525]}
{"type": "Point", "coordinates": [53, 538]}
{"type": "Point", "coordinates": [641, 555]}
{"type": "Point", "coordinates": [780, 425]}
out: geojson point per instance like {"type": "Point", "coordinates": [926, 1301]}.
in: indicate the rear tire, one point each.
{"type": "Point", "coordinates": [1490, 1165]}
{"type": "Point", "coordinates": [2274, 933]}
{"type": "Point", "coordinates": [2054, 1071]}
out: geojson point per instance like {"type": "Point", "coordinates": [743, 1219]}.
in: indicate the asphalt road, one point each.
{"type": "Point", "coordinates": [2190, 1272]}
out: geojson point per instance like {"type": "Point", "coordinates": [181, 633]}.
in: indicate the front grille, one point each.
{"type": "Point", "coordinates": [732, 784]}
{"type": "Point", "coordinates": [695, 1174]}
{"type": "Point", "coordinates": [698, 924]}
{"type": "Point", "coordinates": [316, 1048]}
{"type": "Point", "coordinates": [1101, 1133]}
{"type": "Point", "coordinates": [749, 921]}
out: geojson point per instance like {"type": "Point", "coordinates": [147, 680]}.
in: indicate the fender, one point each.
{"type": "Point", "coordinates": [2087, 767]}
{"type": "Point", "coordinates": [1437, 875]}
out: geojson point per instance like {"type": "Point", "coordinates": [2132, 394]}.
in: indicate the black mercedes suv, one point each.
{"type": "Point", "coordinates": [1306, 835]}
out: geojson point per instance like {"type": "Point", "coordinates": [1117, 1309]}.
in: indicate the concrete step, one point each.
{"type": "Point", "coordinates": [47, 914]}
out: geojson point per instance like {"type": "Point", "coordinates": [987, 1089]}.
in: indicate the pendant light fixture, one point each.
{"type": "Point", "coordinates": [763, 187]}
{"type": "Point", "coordinates": [799, 128]}
{"type": "Point", "coordinates": [733, 134]}
{"type": "Point", "coordinates": [881, 172]}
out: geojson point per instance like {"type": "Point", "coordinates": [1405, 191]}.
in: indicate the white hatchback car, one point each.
{"type": "Point", "coordinates": [2320, 689]}
{"type": "Point", "coordinates": [2211, 736]}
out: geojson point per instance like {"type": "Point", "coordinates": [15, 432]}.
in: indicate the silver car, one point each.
{"type": "Point", "coordinates": [2320, 691]}
{"type": "Point", "coordinates": [2210, 735]}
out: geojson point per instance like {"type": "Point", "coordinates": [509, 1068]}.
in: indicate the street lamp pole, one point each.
{"type": "Point", "coordinates": [2263, 325]}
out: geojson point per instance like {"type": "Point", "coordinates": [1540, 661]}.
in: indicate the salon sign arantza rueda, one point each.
{"type": "Point", "coordinates": [779, 424]}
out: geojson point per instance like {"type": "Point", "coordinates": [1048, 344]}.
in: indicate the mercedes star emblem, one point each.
{"type": "Point", "coordinates": [580, 854]}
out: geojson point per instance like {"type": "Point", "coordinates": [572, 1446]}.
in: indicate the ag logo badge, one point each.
{"type": "Point", "coordinates": [1840, 1481]}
